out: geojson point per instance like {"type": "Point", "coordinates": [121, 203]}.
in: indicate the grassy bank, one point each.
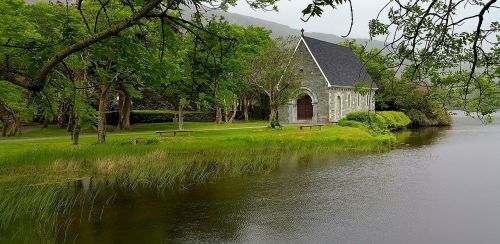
{"type": "Point", "coordinates": [41, 181]}
{"type": "Point", "coordinates": [144, 159]}
{"type": "Point", "coordinates": [207, 141]}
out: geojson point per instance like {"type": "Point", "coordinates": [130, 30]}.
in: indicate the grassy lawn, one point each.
{"type": "Point", "coordinates": [55, 131]}
{"type": "Point", "coordinates": [208, 139]}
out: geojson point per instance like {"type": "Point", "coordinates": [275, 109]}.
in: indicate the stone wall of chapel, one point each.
{"type": "Point", "coordinates": [350, 101]}
{"type": "Point", "coordinates": [315, 82]}
{"type": "Point", "coordinates": [324, 97]}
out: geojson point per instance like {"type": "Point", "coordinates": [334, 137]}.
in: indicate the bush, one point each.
{"type": "Point", "coordinates": [437, 117]}
{"type": "Point", "coordinates": [350, 123]}
{"type": "Point", "coordinates": [373, 121]}
{"type": "Point", "coordinates": [418, 118]}
{"type": "Point", "coordinates": [395, 120]}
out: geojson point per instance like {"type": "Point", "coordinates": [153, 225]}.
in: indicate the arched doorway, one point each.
{"type": "Point", "coordinates": [304, 108]}
{"type": "Point", "coordinates": [338, 107]}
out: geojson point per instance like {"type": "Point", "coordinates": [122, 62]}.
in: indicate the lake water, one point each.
{"type": "Point", "coordinates": [442, 187]}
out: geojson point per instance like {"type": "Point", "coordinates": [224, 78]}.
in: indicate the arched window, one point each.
{"type": "Point", "coordinates": [349, 100]}
{"type": "Point", "coordinates": [338, 108]}
{"type": "Point", "coordinates": [358, 99]}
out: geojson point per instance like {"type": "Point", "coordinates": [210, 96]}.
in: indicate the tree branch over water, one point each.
{"type": "Point", "coordinates": [430, 40]}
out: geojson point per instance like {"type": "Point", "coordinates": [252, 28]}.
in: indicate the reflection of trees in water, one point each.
{"type": "Point", "coordinates": [178, 215]}
{"type": "Point", "coordinates": [133, 206]}
{"type": "Point", "coordinates": [421, 136]}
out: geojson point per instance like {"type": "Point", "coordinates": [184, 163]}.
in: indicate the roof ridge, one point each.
{"type": "Point", "coordinates": [339, 66]}
{"type": "Point", "coordinates": [331, 43]}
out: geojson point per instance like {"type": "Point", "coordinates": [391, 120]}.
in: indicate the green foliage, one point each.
{"type": "Point", "coordinates": [13, 98]}
{"type": "Point", "coordinates": [31, 33]}
{"type": "Point", "coordinates": [275, 71]}
{"type": "Point", "coordinates": [395, 120]}
{"type": "Point", "coordinates": [373, 121]}
{"type": "Point", "coordinates": [423, 104]}
{"type": "Point", "coordinates": [482, 99]}
{"type": "Point", "coordinates": [437, 117]}
{"type": "Point", "coordinates": [14, 108]}
{"type": "Point", "coordinates": [351, 123]}
{"type": "Point", "coordinates": [316, 8]}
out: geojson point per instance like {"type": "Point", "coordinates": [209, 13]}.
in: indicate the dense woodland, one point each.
{"type": "Point", "coordinates": [71, 64]}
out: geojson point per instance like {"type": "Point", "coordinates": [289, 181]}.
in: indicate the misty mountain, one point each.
{"type": "Point", "coordinates": [276, 28]}
{"type": "Point", "coordinates": [280, 29]}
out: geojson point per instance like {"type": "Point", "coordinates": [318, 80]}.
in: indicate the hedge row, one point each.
{"type": "Point", "coordinates": [379, 123]}
{"type": "Point", "coordinates": [395, 120]}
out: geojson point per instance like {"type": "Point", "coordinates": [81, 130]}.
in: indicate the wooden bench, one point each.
{"type": "Point", "coordinates": [175, 132]}
{"type": "Point", "coordinates": [311, 126]}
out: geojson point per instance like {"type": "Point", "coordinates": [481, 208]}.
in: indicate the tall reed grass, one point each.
{"type": "Point", "coordinates": [41, 187]}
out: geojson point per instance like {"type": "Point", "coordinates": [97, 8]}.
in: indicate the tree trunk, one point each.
{"type": "Point", "coordinates": [245, 107]}
{"type": "Point", "coordinates": [76, 130]}
{"type": "Point", "coordinates": [4, 124]}
{"type": "Point", "coordinates": [124, 108]}
{"type": "Point", "coordinates": [218, 115]}
{"type": "Point", "coordinates": [45, 122]}
{"type": "Point", "coordinates": [127, 108]}
{"type": "Point", "coordinates": [4, 130]}
{"type": "Point", "coordinates": [101, 120]}
{"type": "Point", "coordinates": [121, 99]}
{"type": "Point", "coordinates": [60, 116]}
{"type": "Point", "coordinates": [271, 116]}
{"type": "Point", "coordinates": [70, 125]}
{"type": "Point", "coordinates": [235, 109]}
{"type": "Point", "coordinates": [181, 117]}
{"type": "Point", "coordinates": [274, 111]}
{"type": "Point", "coordinates": [226, 113]}
{"type": "Point", "coordinates": [15, 125]}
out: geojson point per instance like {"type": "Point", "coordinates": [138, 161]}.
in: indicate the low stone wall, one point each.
{"type": "Point", "coordinates": [112, 118]}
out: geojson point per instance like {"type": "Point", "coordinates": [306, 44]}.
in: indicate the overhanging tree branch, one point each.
{"type": "Point", "coordinates": [39, 82]}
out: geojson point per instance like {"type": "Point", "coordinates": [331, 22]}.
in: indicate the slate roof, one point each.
{"type": "Point", "coordinates": [339, 64]}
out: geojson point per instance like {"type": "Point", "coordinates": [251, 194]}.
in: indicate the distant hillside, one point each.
{"type": "Point", "coordinates": [283, 30]}
{"type": "Point", "coordinates": [277, 29]}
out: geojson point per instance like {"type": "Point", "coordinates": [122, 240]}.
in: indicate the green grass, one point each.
{"type": "Point", "coordinates": [38, 178]}
{"type": "Point", "coordinates": [159, 111]}
{"type": "Point", "coordinates": [170, 162]}
{"type": "Point", "coordinates": [209, 144]}
{"type": "Point", "coordinates": [165, 111]}
{"type": "Point", "coordinates": [211, 139]}
{"type": "Point", "coordinates": [55, 131]}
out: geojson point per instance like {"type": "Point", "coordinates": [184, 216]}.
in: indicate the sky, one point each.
{"type": "Point", "coordinates": [332, 21]}
{"type": "Point", "coordinates": [337, 21]}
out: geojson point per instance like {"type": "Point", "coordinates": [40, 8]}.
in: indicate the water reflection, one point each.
{"type": "Point", "coordinates": [421, 136]}
{"type": "Point", "coordinates": [443, 187]}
